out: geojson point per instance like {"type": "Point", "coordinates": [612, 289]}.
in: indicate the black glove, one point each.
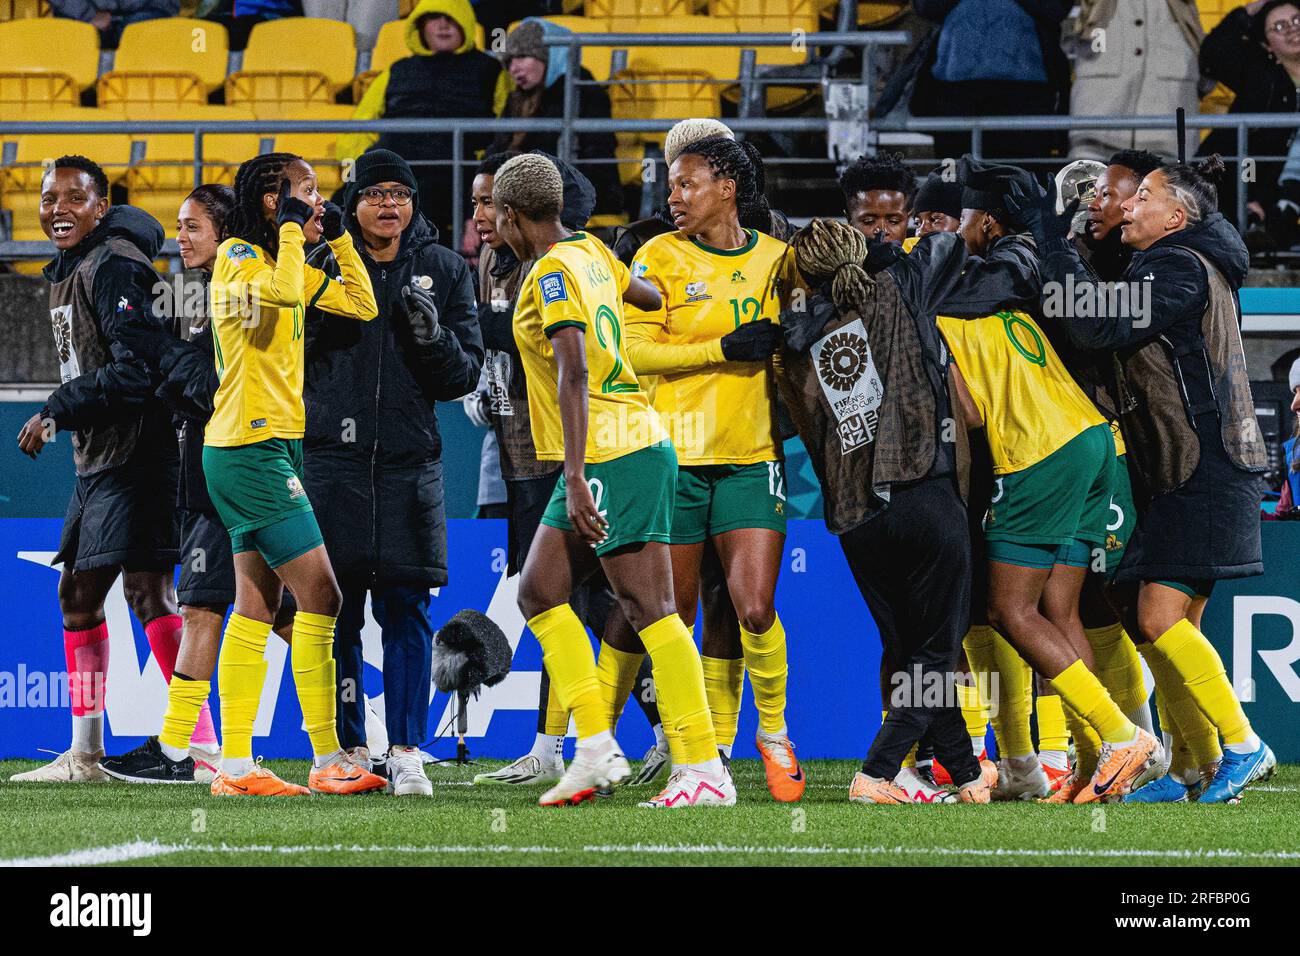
{"type": "Point", "coordinates": [802, 327]}
{"type": "Point", "coordinates": [881, 253]}
{"type": "Point", "coordinates": [290, 208]}
{"type": "Point", "coordinates": [752, 342]}
{"type": "Point", "coordinates": [421, 313]}
{"type": "Point", "coordinates": [1032, 207]}
{"type": "Point", "coordinates": [332, 221]}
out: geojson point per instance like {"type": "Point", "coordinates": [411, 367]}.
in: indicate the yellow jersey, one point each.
{"type": "Point", "coordinates": [258, 307]}
{"type": "Point", "coordinates": [718, 412]}
{"type": "Point", "coordinates": [1030, 404]}
{"type": "Point", "coordinates": [579, 284]}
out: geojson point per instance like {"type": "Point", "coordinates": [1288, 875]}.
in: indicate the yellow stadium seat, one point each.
{"type": "Point", "coordinates": [1212, 11]}
{"type": "Point", "coordinates": [28, 47]}
{"type": "Point", "coordinates": [172, 60]}
{"type": "Point", "coordinates": [160, 181]}
{"type": "Point", "coordinates": [638, 9]}
{"type": "Point", "coordinates": [596, 59]}
{"type": "Point", "coordinates": [291, 62]}
{"type": "Point", "coordinates": [23, 9]}
{"type": "Point", "coordinates": [722, 62]}
{"type": "Point", "coordinates": [661, 94]}
{"type": "Point", "coordinates": [20, 181]}
{"type": "Point", "coordinates": [317, 148]}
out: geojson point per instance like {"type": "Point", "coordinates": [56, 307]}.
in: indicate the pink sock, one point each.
{"type": "Point", "coordinates": [164, 635]}
{"type": "Point", "coordinates": [205, 735]}
{"type": "Point", "coordinates": [86, 655]}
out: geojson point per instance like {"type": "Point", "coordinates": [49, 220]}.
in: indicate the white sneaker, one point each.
{"type": "Point", "coordinates": [654, 763]}
{"type": "Point", "coordinates": [921, 788]}
{"type": "Point", "coordinates": [690, 788]}
{"type": "Point", "coordinates": [1021, 778]}
{"type": "Point", "coordinates": [207, 763]}
{"type": "Point", "coordinates": [528, 769]}
{"type": "Point", "coordinates": [406, 776]}
{"type": "Point", "coordinates": [68, 767]}
{"type": "Point", "coordinates": [590, 769]}
{"type": "Point", "coordinates": [361, 757]}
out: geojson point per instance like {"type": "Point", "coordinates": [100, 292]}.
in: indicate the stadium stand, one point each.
{"type": "Point", "coordinates": [173, 60]}
{"type": "Point", "coordinates": [26, 48]}
{"type": "Point", "coordinates": [291, 63]}
{"type": "Point", "coordinates": [389, 48]}
{"type": "Point", "coordinates": [317, 148]}
{"type": "Point", "coordinates": [23, 9]}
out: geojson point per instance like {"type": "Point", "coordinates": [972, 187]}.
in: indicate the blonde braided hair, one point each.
{"type": "Point", "coordinates": [830, 249]}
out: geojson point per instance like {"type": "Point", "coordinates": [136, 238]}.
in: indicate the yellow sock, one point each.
{"type": "Point", "coordinates": [1189, 727]}
{"type": "Point", "coordinates": [1118, 666]}
{"type": "Point", "coordinates": [677, 661]}
{"type": "Point", "coordinates": [184, 700]}
{"type": "Point", "coordinates": [556, 719]}
{"type": "Point", "coordinates": [566, 652]}
{"type": "Point", "coordinates": [1052, 732]}
{"type": "Point", "coordinates": [973, 710]}
{"type": "Point", "coordinates": [617, 673]}
{"type": "Point", "coordinates": [978, 644]}
{"type": "Point", "coordinates": [724, 685]}
{"type": "Point", "coordinates": [765, 659]}
{"type": "Point", "coordinates": [1015, 681]}
{"type": "Point", "coordinates": [241, 671]}
{"type": "Point", "coordinates": [1080, 689]}
{"type": "Point", "coordinates": [1191, 654]}
{"type": "Point", "coordinates": [312, 655]}
{"type": "Point", "coordinates": [1087, 745]}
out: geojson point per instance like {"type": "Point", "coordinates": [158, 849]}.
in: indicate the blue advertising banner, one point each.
{"type": "Point", "coordinates": [834, 692]}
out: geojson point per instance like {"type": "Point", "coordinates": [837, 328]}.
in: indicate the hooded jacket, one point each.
{"type": "Point", "coordinates": [466, 83]}
{"type": "Point", "coordinates": [98, 290]}
{"type": "Point", "coordinates": [1182, 387]}
{"type": "Point", "coordinates": [372, 449]}
{"type": "Point", "coordinates": [548, 103]}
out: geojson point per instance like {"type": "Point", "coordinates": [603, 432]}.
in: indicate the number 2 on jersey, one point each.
{"type": "Point", "coordinates": [605, 317]}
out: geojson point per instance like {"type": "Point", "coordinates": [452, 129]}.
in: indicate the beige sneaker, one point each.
{"type": "Point", "coordinates": [866, 789]}
{"type": "Point", "coordinates": [68, 767]}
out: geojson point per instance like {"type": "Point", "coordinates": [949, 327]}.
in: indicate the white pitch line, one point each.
{"type": "Point", "coordinates": [141, 849]}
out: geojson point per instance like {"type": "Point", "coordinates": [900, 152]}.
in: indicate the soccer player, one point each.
{"type": "Point", "coordinates": [530, 482]}
{"type": "Point", "coordinates": [252, 461]}
{"type": "Point", "coordinates": [188, 751]}
{"type": "Point", "coordinates": [121, 519]}
{"type": "Point", "coordinates": [1189, 426]}
{"type": "Point", "coordinates": [709, 347]}
{"type": "Point", "coordinates": [612, 506]}
{"type": "Point", "coordinates": [889, 474]}
{"type": "Point", "coordinates": [1054, 461]}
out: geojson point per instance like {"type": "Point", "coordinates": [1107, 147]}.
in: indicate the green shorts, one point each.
{"type": "Point", "coordinates": [1120, 520]}
{"type": "Point", "coordinates": [633, 493]}
{"type": "Point", "coordinates": [712, 499]}
{"type": "Point", "coordinates": [258, 493]}
{"type": "Point", "coordinates": [1060, 502]}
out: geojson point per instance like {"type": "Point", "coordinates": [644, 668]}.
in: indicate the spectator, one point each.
{"type": "Point", "coordinates": [445, 76]}
{"type": "Point", "coordinates": [240, 16]}
{"type": "Point", "coordinates": [1142, 62]}
{"type": "Point", "coordinates": [110, 17]}
{"type": "Point", "coordinates": [538, 72]}
{"type": "Point", "coordinates": [1016, 69]}
{"type": "Point", "coordinates": [1255, 52]}
{"type": "Point", "coordinates": [1287, 505]}
{"type": "Point", "coordinates": [365, 16]}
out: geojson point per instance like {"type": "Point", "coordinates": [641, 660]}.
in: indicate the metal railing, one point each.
{"type": "Point", "coordinates": [569, 129]}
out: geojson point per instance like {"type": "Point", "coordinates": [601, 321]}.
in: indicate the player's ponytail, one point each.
{"type": "Point", "coordinates": [1194, 186]}
{"type": "Point", "coordinates": [830, 250]}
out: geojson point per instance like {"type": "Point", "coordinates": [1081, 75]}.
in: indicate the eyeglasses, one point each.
{"type": "Point", "coordinates": [374, 196]}
{"type": "Point", "coordinates": [1281, 26]}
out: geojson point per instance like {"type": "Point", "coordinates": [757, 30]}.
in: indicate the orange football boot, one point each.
{"type": "Point", "coordinates": [342, 776]}
{"type": "Point", "coordinates": [785, 778]}
{"type": "Point", "coordinates": [1118, 767]}
{"type": "Point", "coordinates": [260, 782]}
{"type": "Point", "coordinates": [866, 790]}
{"type": "Point", "coordinates": [944, 779]}
{"type": "Point", "coordinates": [977, 791]}
{"type": "Point", "coordinates": [1070, 788]}
{"type": "Point", "coordinates": [1056, 778]}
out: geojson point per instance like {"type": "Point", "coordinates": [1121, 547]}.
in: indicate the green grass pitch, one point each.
{"type": "Point", "coordinates": [125, 824]}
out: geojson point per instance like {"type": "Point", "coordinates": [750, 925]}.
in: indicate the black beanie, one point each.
{"type": "Point", "coordinates": [985, 185]}
{"type": "Point", "coordinates": [376, 166]}
{"type": "Point", "coordinates": [938, 195]}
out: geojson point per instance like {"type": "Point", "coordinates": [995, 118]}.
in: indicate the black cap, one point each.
{"type": "Point", "coordinates": [937, 194]}
{"type": "Point", "coordinates": [376, 166]}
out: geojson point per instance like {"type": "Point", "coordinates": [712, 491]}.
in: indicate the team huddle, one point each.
{"type": "Point", "coordinates": [1033, 500]}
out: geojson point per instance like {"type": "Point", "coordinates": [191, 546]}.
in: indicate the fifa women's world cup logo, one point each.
{"type": "Point", "coordinates": [850, 382]}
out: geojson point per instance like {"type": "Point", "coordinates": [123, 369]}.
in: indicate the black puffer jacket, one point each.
{"type": "Point", "coordinates": [372, 449]}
